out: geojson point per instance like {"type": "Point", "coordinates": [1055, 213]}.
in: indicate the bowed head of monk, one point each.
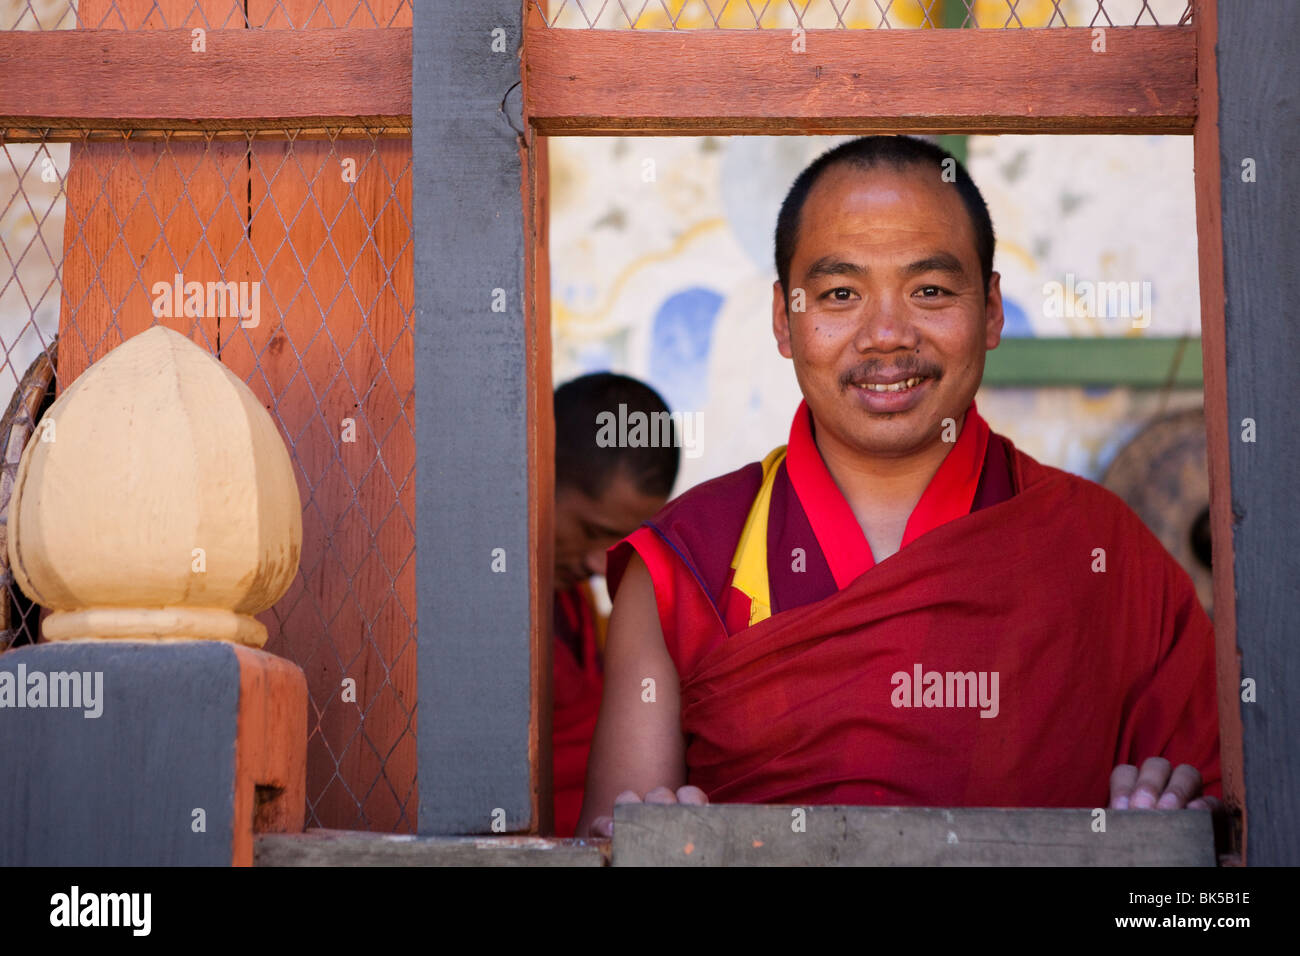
{"type": "Point", "coordinates": [605, 490]}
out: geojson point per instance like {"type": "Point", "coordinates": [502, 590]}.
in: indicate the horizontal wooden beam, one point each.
{"type": "Point", "coordinates": [577, 81]}
{"type": "Point", "coordinates": [244, 79]}
{"type": "Point", "coordinates": [1055, 362]}
{"type": "Point", "coordinates": [743, 835]}
{"type": "Point", "coordinates": [282, 133]}
{"type": "Point", "coordinates": [729, 82]}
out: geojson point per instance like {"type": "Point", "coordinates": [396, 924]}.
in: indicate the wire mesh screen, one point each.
{"type": "Point", "coordinates": [314, 229]}
{"type": "Point", "coordinates": [315, 235]}
{"type": "Point", "coordinates": [857, 14]}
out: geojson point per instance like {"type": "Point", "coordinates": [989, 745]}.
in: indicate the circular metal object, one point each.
{"type": "Point", "coordinates": [19, 617]}
{"type": "Point", "coordinates": [1161, 474]}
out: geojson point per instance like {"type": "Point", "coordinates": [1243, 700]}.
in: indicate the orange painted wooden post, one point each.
{"type": "Point", "coordinates": [328, 14]}
{"type": "Point", "coordinates": [330, 238]}
{"type": "Point", "coordinates": [129, 224]}
{"type": "Point", "coordinates": [330, 357]}
{"type": "Point", "coordinates": [1209, 234]}
{"type": "Point", "coordinates": [159, 15]}
{"type": "Point", "coordinates": [536, 201]}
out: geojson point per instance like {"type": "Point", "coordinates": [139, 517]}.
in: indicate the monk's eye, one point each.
{"type": "Point", "coordinates": [835, 294]}
{"type": "Point", "coordinates": [932, 291]}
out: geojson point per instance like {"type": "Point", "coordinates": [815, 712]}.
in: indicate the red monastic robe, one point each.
{"type": "Point", "coordinates": [576, 688]}
{"type": "Point", "coordinates": [837, 680]}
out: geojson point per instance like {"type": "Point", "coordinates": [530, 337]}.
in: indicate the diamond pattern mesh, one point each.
{"type": "Point", "coordinates": [323, 225]}
{"type": "Point", "coordinates": [856, 14]}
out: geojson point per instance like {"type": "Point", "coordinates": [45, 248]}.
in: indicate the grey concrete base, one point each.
{"type": "Point", "coordinates": [120, 788]}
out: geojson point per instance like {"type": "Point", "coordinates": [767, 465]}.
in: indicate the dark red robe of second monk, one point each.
{"type": "Point", "coordinates": [1094, 667]}
{"type": "Point", "coordinates": [576, 690]}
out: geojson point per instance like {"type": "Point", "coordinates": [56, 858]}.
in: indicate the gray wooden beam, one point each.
{"type": "Point", "coordinates": [350, 848]}
{"type": "Point", "coordinates": [743, 835]}
{"type": "Point", "coordinates": [474, 658]}
{"type": "Point", "coordinates": [1259, 126]}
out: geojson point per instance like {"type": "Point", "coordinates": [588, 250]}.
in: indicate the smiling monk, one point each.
{"type": "Point", "coordinates": [761, 620]}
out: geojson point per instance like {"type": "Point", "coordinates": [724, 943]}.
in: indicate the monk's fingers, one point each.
{"type": "Point", "coordinates": [1150, 783]}
{"type": "Point", "coordinates": [1184, 785]}
{"type": "Point", "coordinates": [1205, 803]}
{"type": "Point", "coordinates": [604, 826]}
{"type": "Point", "coordinates": [661, 795]}
{"type": "Point", "coordinates": [693, 796]}
{"type": "Point", "coordinates": [1122, 780]}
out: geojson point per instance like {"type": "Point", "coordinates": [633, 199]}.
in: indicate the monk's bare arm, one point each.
{"type": "Point", "coordinates": [638, 744]}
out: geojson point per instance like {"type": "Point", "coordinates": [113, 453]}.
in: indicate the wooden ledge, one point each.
{"type": "Point", "coordinates": [355, 848]}
{"type": "Point", "coordinates": [744, 835]}
{"type": "Point", "coordinates": [740, 835]}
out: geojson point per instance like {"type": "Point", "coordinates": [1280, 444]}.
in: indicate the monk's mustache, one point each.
{"type": "Point", "coordinates": [868, 372]}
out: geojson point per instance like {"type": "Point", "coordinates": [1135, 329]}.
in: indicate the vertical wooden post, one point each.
{"type": "Point", "coordinates": [1209, 233]}
{"type": "Point", "coordinates": [476, 359]}
{"type": "Point", "coordinates": [535, 158]}
{"type": "Point", "coordinates": [334, 344]}
{"type": "Point", "coordinates": [1247, 132]}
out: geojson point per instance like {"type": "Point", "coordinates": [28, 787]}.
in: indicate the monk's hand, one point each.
{"type": "Point", "coordinates": [693, 796]}
{"type": "Point", "coordinates": [1155, 787]}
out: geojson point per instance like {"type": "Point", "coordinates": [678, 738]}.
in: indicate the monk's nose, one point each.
{"type": "Point", "coordinates": [884, 326]}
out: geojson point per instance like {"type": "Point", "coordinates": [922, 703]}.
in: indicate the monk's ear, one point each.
{"type": "Point", "coordinates": [780, 320]}
{"type": "Point", "coordinates": [993, 315]}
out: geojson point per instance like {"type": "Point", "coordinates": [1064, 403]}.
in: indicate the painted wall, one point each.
{"type": "Point", "coordinates": [661, 255]}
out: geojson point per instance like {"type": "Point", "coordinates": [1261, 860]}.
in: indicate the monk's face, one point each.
{"type": "Point", "coordinates": [896, 319]}
{"type": "Point", "coordinates": [586, 527]}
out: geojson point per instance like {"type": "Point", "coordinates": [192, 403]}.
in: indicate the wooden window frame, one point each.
{"type": "Point", "coordinates": [947, 81]}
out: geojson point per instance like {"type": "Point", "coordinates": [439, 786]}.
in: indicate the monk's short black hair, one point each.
{"type": "Point", "coordinates": [868, 152]}
{"type": "Point", "coordinates": [582, 463]}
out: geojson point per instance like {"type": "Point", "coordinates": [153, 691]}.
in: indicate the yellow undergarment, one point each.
{"type": "Point", "coordinates": [750, 559]}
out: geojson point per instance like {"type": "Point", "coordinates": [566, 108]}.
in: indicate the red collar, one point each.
{"type": "Point", "coordinates": [949, 495]}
